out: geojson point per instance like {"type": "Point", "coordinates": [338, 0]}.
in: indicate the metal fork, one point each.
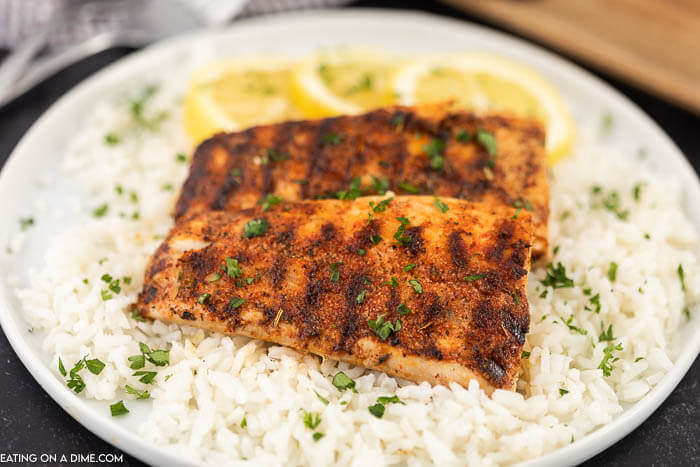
{"type": "Point", "coordinates": [139, 23]}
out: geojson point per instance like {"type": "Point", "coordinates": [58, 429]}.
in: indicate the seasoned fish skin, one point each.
{"type": "Point", "coordinates": [471, 263]}
{"type": "Point", "coordinates": [318, 158]}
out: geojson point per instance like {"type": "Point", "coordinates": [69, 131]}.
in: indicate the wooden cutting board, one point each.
{"type": "Point", "coordinates": [653, 44]}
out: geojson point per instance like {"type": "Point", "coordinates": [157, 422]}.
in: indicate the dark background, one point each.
{"type": "Point", "coordinates": [31, 422]}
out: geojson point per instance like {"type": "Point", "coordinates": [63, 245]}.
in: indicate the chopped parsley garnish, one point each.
{"type": "Point", "coordinates": [639, 359]}
{"type": "Point", "coordinates": [606, 124]}
{"type": "Point", "coordinates": [180, 157]}
{"type": "Point", "coordinates": [136, 392]}
{"type": "Point", "coordinates": [146, 377]}
{"type": "Point", "coordinates": [525, 354]}
{"type": "Point", "coordinates": [235, 302]}
{"type": "Point", "coordinates": [399, 235]}
{"type": "Point", "coordinates": [637, 191]}
{"type": "Point", "coordinates": [375, 239]}
{"type": "Point", "coordinates": [331, 138]}
{"type": "Point", "coordinates": [404, 309]}
{"type": "Point", "coordinates": [365, 84]}
{"type": "Point", "coordinates": [440, 205]}
{"type": "Point", "coordinates": [377, 410]}
{"type": "Point", "coordinates": [390, 400]}
{"type": "Point", "coordinates": [137, 361]}
{"type": "Point", "coordinates": [408, 188]}
{"type": "Point", "coordinates": [269, 201]}
{"type": "Point", "coordinates": [605, 335]}
{"type": "Point", "coordinates": [515, 216]}
{"type": "Point", "coordinates": [272, 155]}
{"type": "Point", "coordinates": [232, 268]}
{"type": "Point", "coordinates": [488, 141]}
{"type": "Point", "coordinates": [321, 398]}
{"type": "Point", "coordinates": [249, 280]}
{"type": "Point", "coordinates": [611, 202]}
{"type": "Point", "coordinates": [555, 250]}
{"type": "Point", "coordinates": [523, 203]}
{"type": "Point", "coordinates": [686, 313]}
{"type": "Point", "coordinates": [354, 191]}
{"type": "Point", "coordinates": [563, 391]}
{"type": "Point", "coordinates": [380, 185]}
{"type": "Point", "coordinates": [255, 228]}
{"type": "Point", "coordinates": [311, 420]}
{"type": "Point", "coordinates": [583, 332]}
{"type": "Point", "coordinates": [681, 276]}
{"type": "Point", "coordinates": [61, 368]}
{"type": "Point", "coordinates": [608, 359]}
{"type": "Point", "coordinates": [316, 436]}
{"type": "Point", "coordinates": [343, 382]}
{"type": "Point", "coordinates": [380, 206]}
{"type": "Point", "coordinates": [95, 366]}
{"type": "Point", "coordinates": [118, 409]}
{"type": "Point", "coordinates": [213, 277]}
{"type": "Point", "coordinates": [474, 277]}
{"type": "Point", "coordinates": [244, 423]}
{"type": "Point", "coordinates": [112, 139]}
{"type": "Point", "coordinates": [393, 282]}
{"type": "Point", "coordinates": [417, 287]}
{"type": "Point", "coordinates": [157, 357]}
{"type": "Point", "coordinates": [463, 136]}
{"type": "Point", "coordinates": [556, 277]}
{"type": "Point", "coordinates": [408, 267]}
{"type": "Point", "coordinates": [203, 298]}
{"type": "Point", "coordinates": [101, 210]}
{"type": "Point", "coordinates": [398, 119]}
{"type": "Point", "coordinates": [167, 187]}
{"type": "Point", "coordinates": [384, 328]}
{"type": "Point", "coordinates": [26, 222]}
{"type": "Point", "coordinates": [361, 296]}
{"type": "Point", "coordinates": [361, 251]}
{"type": "Point", "coordinates": [595, 301]}
{"type": "Point", "coordinates": [105, 295]}
{"type": "Point", "coordinates": [434, 150]}
{"type": "Point", "coordinates": [137, 316]}
{"type": "Point", "coordinates": [612, 271]}
{"type": "Point", "coordinates": [335, 274]}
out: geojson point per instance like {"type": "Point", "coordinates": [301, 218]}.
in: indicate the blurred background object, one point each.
{"type": "Point", "coordinates": [650, 43]}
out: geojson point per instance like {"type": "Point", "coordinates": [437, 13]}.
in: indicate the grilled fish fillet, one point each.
{"type": "Point", "coordinates": [318, 159]}
{"type": "Point", "coordinates": [326, 276]}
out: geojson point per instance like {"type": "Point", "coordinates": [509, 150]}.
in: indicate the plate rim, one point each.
{"type": "Point", "coordinates": [123, 439]}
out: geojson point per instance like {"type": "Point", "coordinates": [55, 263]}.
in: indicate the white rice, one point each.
{"type": "Point", "coordinates": [213, 382]}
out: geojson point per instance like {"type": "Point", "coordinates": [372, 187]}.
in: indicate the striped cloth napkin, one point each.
{"type": "Point", "coordinates": [19, 19]}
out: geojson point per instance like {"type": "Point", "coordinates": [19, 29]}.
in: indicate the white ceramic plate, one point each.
{"type": "Point", "coordinates": [41, 149]}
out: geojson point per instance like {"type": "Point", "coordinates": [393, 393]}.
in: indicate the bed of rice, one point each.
{"type": "Point", "coordinates": [214, 382]}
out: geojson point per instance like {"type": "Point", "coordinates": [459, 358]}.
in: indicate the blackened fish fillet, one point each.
{"type": "Point", "coordinates": [448, 276]}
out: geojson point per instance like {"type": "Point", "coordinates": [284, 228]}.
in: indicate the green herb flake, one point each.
{"type": "Point", "coordinates": [342, 382]}
{"type": "Point", "coordinates": [361, 296]}
{"type": "Point", "coordinates": [268, 201]}
{"type": "Point", "coordinates": [380, 185]}
{"type": "Point", "coordinates": [375, 239]}
{"type": "Point", "coordinates": [249, 280]}
{"type": "Point", "coordinates": [606, 124]}
{"type": "Point", "coordinates": [525, 354]}
{"type": "Point", "coordinates": [146, 377]}
{"type": "Point", "coordinates": [203, 298]}
{"type": "Point", "coordinates": [563, 391]}
{"type": "Point", "coordinates": [393, 282]}
{"type": "Point", "coordinates": [681, 276]}
{"type": "Point", "coordinates": [463, 136]}
{"type": "Point", "coordinates": [61, 368]}
{"type": "Point", "coordinates": [408, 188]}
{"type": "Point", "coordinates": [361, 251]}
{"type": "Point", "coordinates": [365, 84]}
{"type": "Point", "coordinates": [605, 336]}
{"type": "Point", "coordinates": [235, 302]}
{"type": "Point", "coordinates": [377, 410]}
{"type": "Point", "coordinates": [26, 222]}
{"type": "Point", "coordinates": [136, 392]}
{"type": "Point", "coordinates": [417, 287]}
{"type": "Point", "coordinates": [335, 273]}
{"type": "Point", "coordinates": [686, 313]}
{"type": "Point", "coordinates": [440, 205]}
{"type": "Point", "coordinates": [474, 277]}
{"type": "Point", "coordinates": [272, 155]}
{"type": "Point", "coordinates": [118, 409]}
{"type": "Point", "coordinates": [404, 309]}
{"type": "Point", "coordinates": [100, 211]}
{"type": "Point", "coordinates": [95, 366]}
{"type": "Point", "coordinates": [390, 400]}
{"type": "Point", "coordinates": [255, 228]}
{"type": "Point", "coordinates": [381, 206]}
{"type": "Point", "coordinates": [595, 301]}
{"type": "Point", "coordinates": [137, 361]}
{"type": "Point", "coordinates": [581, 331]}
{"type": "Point", "coordinates": [400, 234]}
{"type": "Point", "coordinates": [637, 191]}
{"type": "Point", "coordinates": [608, 359]}
{"type": "Point", "coordinates": [317, 435]}
{"type": "Point", "coordinates": [556, 277]}
{"type": "Point", "coordinates": [488, 141]}
{"type": "Point", "coordinates": [523, 203]}
{"type": "Point", "coordinates": [311, 420]}
{"type": "Point", "coordinates": [137, 316]}
{"type": "Point", "coordinates": [105, 295]}
{"type": "Point", "coordinates": [384, 328]}
{"type": "Point", "coordinates": [321, 398]}
{"type": "Point", "coordinates": [638, 359]}
{"type": "Point", "coordinates": [409, 267]}
{"type": "Point", "coordinates": [244, 423]}
{"type": "Point", "coordinates": [213, 277]}
{"type": "Point", "coordinates": [112, 139]}
{"type": "Point", "coordinates": [333, 139]}
{"type": "Point", "coordinates": [434, 150]}
{"type": "Point", "coordinates": [232, 268]}
{"type": "Point", "coordinates": [612, 271]}
{"type": "Point", "coordinates": [515, 216]}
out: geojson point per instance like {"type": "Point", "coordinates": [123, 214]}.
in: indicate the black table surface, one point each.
{"type": "Point", "coordinates": [31, 422]}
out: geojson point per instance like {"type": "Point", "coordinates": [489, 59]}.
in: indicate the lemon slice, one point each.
{"type": "Point", "coordinates": [480, 82]}
{"type": "Point", "coordinates": [233, 95]}
{"type": "Point", "coordinates": [343, 81]}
